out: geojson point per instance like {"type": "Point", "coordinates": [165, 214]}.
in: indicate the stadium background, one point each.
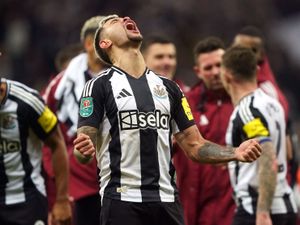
{"type": "Point", "coordinates": [32, 32]}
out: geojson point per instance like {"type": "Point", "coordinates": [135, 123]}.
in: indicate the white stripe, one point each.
{"type": "Point", "coordinates": [86, 87]}
{"type": "Point", "coordinates": [91, 88]}
{"type": "Point", "coordinates": [166, 190]}
{"type": "Point", "coordinates": [29, 98]}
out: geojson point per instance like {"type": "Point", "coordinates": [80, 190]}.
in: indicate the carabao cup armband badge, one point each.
{"type": "Point", "coordinates": [86, 107]}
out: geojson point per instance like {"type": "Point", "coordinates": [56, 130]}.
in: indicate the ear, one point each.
{"type": "Point", "coordinates": [89, 44]}
{"type": "Point", "coordinates": [105, 43]}
{"type": "Point", "coordinates": [197, 71]}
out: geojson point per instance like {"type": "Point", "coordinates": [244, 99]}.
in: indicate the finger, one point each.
{"type": "Point", "coordinates": [80, 139]}
{"type": "Point", "coordinates": [89, 152]}
{"type": "Point", "coordinates": [83, 144]}
{"type": "Point", "coordinates": [251, 155]}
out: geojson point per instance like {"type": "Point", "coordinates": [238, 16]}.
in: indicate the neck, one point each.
{"type": "Point", "coordinates": [129, 60]}
{"type": "Point", "coordinates": [240, 90]}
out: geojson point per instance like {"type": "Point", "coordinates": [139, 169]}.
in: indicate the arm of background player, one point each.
{"type": "Point", "coordinates": [267, 174]}
{"type": "Point", "coordinates": [61, 209]}
{"type": "Point", "coordinates": [84, 144]}
{"type": "Point", "coordinates": [200, 150]}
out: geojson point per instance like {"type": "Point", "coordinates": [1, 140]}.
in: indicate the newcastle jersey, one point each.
{"type": "Point", "coordinates": [136, 118]}
{"type": "Point", "coordinates": [24, 122]}
{"type": "Point", "coordinates": [259, 116]}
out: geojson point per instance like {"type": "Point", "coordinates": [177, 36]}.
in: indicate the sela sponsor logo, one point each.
{"type": "Point", "coordinates": [9, 146]}
{"type": "Point", "coordinates": [133, 119]}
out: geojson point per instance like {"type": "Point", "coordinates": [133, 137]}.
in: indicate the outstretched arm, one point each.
{"type": "Point", "coordinates": [61, 211]}
{"type": "Point", "coordinates": [200, 150]}
{"type": "Point", "coordinates": [84, 144]}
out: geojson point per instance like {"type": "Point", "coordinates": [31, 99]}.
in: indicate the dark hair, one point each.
{"type": "Point", "coordinates": [66, 54]}
{"type": "Point", "coordinates": [207, 45]}
{"type": "Point", "coordinates": [154, 39]}
{"type": "Point", "coordinates": [241, 62]}
{"type": "Point", "coordinates": [251, 31]}
{"type": "Point", "coordinates": [103, 56]}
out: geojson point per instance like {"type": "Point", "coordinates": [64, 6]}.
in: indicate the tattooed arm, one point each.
{"type": "Point", "coordinates": [200, 150]}
{"type": "Point", "coordinates": [84, 144]}
{"type": "Point", "coordinates": [267, 175]}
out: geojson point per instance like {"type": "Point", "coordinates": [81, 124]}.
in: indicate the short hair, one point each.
{"type": "Point", "coordinates": [251, 31]}
{"type": "Point", "coordinates": [66, 54]}
{"type": "Point", "coordinates": [102, 55]}
{"type": "Point", "coordinates": [207, 45]}
{"type": "Point", "coordinates": [90, 26]}
{"type": "Point", "coordinates": [155, 39]}
{"type": "Point", "coordinates": [241, 62]}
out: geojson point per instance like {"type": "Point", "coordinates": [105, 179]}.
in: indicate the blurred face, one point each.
{"type": "Point", "coordinates": [207, 68]}
{"type": "Point", "coordinates": [255, 43]}
{"type": "Point", "coordinates": [120, 31]}
{"type": "Point", "coordinates": [224, 74]}
{"type": "Point", "coordinates": [161, 58]}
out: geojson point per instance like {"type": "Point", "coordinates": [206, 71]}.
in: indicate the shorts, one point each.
{"type": "Point", "coordinates": [32, 212]}
{"type": "Point", "coordinates": [242, 217]}
{"type": "Point", "coordinates": [115, 212]}
{"type": "Point", "coordinates": [87, 210]}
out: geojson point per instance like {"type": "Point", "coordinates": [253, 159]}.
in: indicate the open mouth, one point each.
{"type": "Point", "coordinates": [131, 26]}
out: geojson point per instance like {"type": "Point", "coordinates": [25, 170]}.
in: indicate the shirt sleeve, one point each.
{"type": "Point", "coordinates": [180, 109]}
{"type": "Point", "coordinates": [40, 118]}
{"type": "Point", "coordinates": [91, 109]}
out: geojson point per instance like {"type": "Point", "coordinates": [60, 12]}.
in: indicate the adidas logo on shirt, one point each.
{"type": "Point", "coordinates": [123, 93]}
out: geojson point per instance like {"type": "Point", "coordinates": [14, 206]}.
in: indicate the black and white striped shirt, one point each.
{"type": "Point", "coordinates": [259, 116]}
{"type": "Point", "coordinates": [136, 119]}
{"type": "Point", "coordinates": [24, 122]}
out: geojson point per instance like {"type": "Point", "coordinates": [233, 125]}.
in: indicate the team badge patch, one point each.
{"type": "Point", "coordinates": [86, 107]}
{"type": "Point", "coordinates": [186, 108]}
{"type": "Point", "coordinates": [255, 128]}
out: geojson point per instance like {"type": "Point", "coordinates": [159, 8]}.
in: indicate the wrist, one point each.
{"type": "Point", "coordinates": [82, 158]}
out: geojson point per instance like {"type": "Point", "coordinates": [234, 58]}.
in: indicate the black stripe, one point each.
{"type": "Point", "coordinates": [148, 141]}
{"type": "Point", "coordinates": [23, 122]}
{"type": "Point", "coordinates": [288, 204]}
{"type": "Point", "coordinates": [172, 170]}
{"type": "Point", "coordinates": [254, 197]}
{"type": "Point", "coordinates": [115, 144]}
{"type": "Point", "coordinates": [122, 94]}
{"type": "Point", "coordinates": [3, 179]}
{"type": "Point", "coordinates": [126, 92]}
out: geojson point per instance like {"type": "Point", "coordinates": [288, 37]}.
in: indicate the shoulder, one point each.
{"type": "Point", "coordinates": [25, 96]}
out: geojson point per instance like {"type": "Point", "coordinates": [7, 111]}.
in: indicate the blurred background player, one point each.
{"type": "Point", "coordinates": [62, 95]}
{"type": "Point", "coordinates": [161, 56]}
{"type": "Point", "coordinates": [262, 193]}
{"type": "Point", "coordinates": [251, 37]}
{"type": "Point", "coordinates": [205, 190]}
{"type": "Point", "coordinates": [25, 122]}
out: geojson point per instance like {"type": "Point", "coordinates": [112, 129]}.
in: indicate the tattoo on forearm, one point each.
{"type": "Point", "coordinates": [267, 177]}
{"type": "Point", "coordinates": [213, 153]}
{"type": "Point", "coordinates": [90, 131]}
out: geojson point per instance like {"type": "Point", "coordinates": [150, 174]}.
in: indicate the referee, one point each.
{"type": "Point", "coordinates": [128, 114]}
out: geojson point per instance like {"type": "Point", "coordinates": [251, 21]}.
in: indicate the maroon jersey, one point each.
{"type": "Point", "coordinates": [205, 190]}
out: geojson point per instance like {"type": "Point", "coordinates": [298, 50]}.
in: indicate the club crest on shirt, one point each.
{"type": "Point", "coordinates": [9, 122]}
{"type": "Point", "coordinates": [160, 91]}
{"type": "Point", "coordinates": [86, 107]}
